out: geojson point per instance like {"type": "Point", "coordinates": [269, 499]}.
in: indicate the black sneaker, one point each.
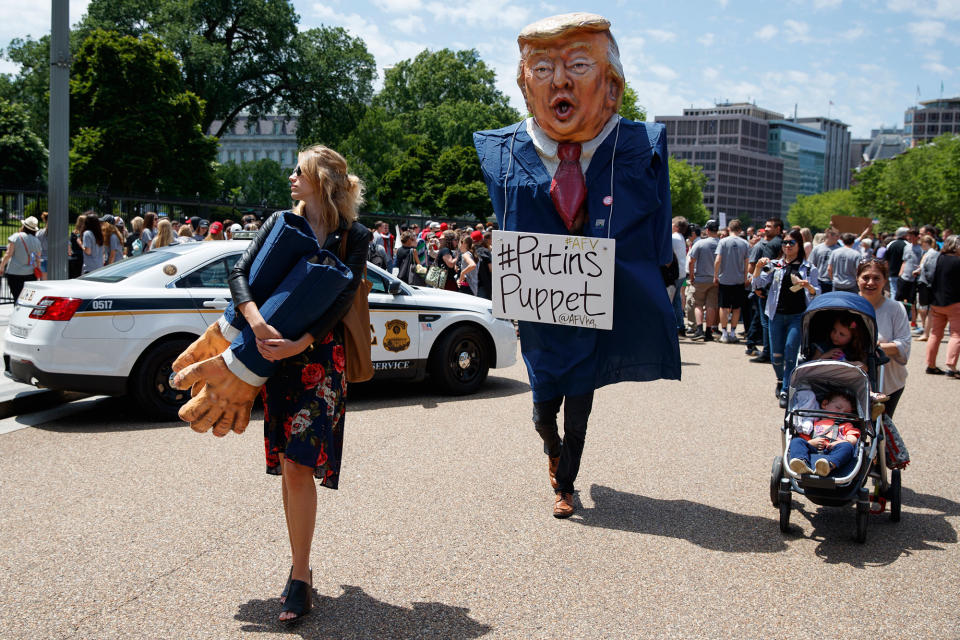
{"type": "Point", "coordinates": [681, 333]}
{"type": "Point", "coordinates": [752, 351]}
{"type": "Point", "coordinates": [697, 334]}
{"type": "Point", "coordinates": [783, 400]}
{"type": "Point", "coordinates": [708, 336]}
{"type": "Point", "coordinates": [763, 357]}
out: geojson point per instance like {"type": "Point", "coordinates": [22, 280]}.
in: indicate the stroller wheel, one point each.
{"type": "Point", "coordinates": [863, 514]}
{"type": "Point", "coordinates": [775, 475]}
{"type": "Point", "coordinates": [894, 493]}
{"type": "Point", "coordinates": [785, 504]}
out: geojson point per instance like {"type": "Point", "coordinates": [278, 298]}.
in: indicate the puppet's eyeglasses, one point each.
{"type": "Point", "coordinates": [544, 69]}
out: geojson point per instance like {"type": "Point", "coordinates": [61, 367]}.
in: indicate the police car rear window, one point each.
{"type": "Point", "coordinates": [131, 266]}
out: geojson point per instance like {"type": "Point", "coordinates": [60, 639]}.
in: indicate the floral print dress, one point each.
{"type": "Point", "coordinates": [303, 408]}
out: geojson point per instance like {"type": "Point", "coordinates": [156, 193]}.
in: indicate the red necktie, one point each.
{"type": "Point", "coordinates": [568, 189]}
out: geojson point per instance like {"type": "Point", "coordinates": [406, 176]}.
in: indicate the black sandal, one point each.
{"type": "Point", "coordinates": [286, 587]}
{"type": "Point", "coordinates": [299, 600]}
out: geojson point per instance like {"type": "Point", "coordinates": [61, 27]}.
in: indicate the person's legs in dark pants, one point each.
{"type": "Point", "coordinates": [576, 412]}
{"type": "Point", "coordinates": [545, 422]}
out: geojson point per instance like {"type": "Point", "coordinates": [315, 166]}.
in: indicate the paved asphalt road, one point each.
{"type": "Point", "coordinates": [116, 528]}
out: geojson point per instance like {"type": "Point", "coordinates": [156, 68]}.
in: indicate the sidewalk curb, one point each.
{"type": "Point", "coordinates": [36, 400]}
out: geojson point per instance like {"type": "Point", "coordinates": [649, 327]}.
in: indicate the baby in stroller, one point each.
{"type": "Point", "coordinates": [828, 438]}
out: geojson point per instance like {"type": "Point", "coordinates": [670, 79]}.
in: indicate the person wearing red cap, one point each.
{"type": "Point", "coordinates": [215, 232]}
{"type": "Point", "coordinates": [443, 226]}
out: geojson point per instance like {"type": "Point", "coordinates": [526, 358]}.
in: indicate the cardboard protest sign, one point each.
{"type": "Point", "coordinates": [555, 279]}
{"type": "Point", "coordinates": [850, 224]}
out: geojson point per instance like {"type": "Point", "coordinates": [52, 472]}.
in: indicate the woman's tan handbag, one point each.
{"type": "Point", "coordinates": [356, 325]}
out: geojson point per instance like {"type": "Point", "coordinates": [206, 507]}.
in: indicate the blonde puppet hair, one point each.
{"type": "Point", "coordinates": [543, 31]}
{"type": "Point", "coordinates": [341, 193]}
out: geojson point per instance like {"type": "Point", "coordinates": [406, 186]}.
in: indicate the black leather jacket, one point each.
{"type": "Point", "coordinates": [356, 260]}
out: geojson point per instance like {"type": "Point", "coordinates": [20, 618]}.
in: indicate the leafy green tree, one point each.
{"type": "Point", "coordinates": [334, 87]}
{"type": "Point", "coordinates": [629, 108]}
{"type": "Point", "coordinates": [24, 155]}
{"type": "Point", "coordinates": [435, 77]}
{"type": "Point", "coordinates": [686, 191]}
{"type": "Point", "coordinates": [31, 85]}
{"type": "Point", "coordinates": [920, 186]}
{"type": "Point", "coordinates": [434, 101]}
{"type": "Point", "coordinates": [454, 185]}
{"type": "Point", "coordinates": [815, 211]}
{"type": "Point", "coordinates": [135, 127]}
{"type": "Point", "coordinates": [403, 185]}
{"type": "Point", "coordinates": [248, 56]}
{"type": "Point", "coordinates": [260, 181]}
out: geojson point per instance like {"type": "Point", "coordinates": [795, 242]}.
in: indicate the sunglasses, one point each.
{"type": "Point", "coordinates": [789, 243]}
{"type": "Point", "coordinates": [298, 171]}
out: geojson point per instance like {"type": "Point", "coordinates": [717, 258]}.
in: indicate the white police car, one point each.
{"type": "Point", "coordinates": [118, 329]}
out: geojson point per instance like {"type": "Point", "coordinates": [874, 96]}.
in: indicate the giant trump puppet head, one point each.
{"type": "Point", "coordinates": [570, 75]}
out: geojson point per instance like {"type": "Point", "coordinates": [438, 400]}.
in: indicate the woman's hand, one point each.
{"type": "Point", "coordinates": [278, 349]}
{"type": "Point", "coordinates": [264, 331]}
{"type": "Point", "coordinates": [806, 285]}
{"type": "Point", "coordinates": [818, 443]}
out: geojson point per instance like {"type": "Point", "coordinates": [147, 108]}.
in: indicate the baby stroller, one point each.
{"type": "Point", "coordinates": [847, 483]}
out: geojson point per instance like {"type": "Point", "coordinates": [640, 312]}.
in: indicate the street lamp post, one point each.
{"type": "Point", "coordinates": [58, 181]}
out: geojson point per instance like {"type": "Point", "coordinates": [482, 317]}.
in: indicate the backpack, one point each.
{"type": "Point", "coordinates": [136, 248]}
{"type": "Point", "coordinates": [375, 257]}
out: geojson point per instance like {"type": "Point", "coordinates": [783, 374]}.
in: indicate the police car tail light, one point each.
{"type": "Point", "coordinates": [56, 308]}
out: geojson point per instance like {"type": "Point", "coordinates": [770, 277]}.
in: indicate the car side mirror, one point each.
{"type": "Point", "coordinates": [394, 287]}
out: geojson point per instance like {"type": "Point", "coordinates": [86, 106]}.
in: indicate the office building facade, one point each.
{"type": "Point", "coordinates": [273, 137]}
{"type": "Point", "coordinates": [836, 158]}
{"type": "Point", "coordinates": [931, 119]}
{"type": "Point", "coordinates": [729, 143]}
{"type": "Point", "coordinates": [802, 149]}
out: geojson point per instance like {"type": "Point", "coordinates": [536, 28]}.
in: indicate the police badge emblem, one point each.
{"type": "Point", "coordinates": [396, 338]}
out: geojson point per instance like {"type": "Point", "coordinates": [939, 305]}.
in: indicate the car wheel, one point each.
{"type": "Point", "coordinates": [151, 386]}
{"type": "Point", "coordinates": [460, 362]}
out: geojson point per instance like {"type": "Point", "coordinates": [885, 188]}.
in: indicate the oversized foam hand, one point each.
{"type": "Point", "coordinates": [211, 343]}
{"type": "Point", "coordinates": [223, 402]}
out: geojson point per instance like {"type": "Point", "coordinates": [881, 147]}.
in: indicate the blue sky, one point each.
{"type": "Point", "coordinates": [866, 56]}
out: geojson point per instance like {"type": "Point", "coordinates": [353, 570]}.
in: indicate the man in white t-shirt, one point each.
{"type": "Point", "coordinates": [679, 241]}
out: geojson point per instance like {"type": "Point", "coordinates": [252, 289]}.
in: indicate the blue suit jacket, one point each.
{"type": "Point", "coordinates": [642, 345]}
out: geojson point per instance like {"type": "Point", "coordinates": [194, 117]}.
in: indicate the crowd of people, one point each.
{"type": "Point", "coordinates": [752, 285]}
{"type": "Point", "coordinates": [462, 255]}
{"type": "Point", "coordinates": [96, 241]}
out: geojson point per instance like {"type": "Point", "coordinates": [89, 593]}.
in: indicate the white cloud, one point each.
{"type": "Point", "coordinates": [408, 25]}
{"type": "Point", "coordinates": [927, 31]}
{"type": "Point", "coordinates": [946, 9]}
{"type": "Point", "coordinates": [937, 67]}
{"type": "Point", "coordinates": [493, 13]}
{"type": "Point", "coordinates": [723, 3]}
{"type": "Point", "coordinates": [796, 31]}
{"type": "Point", "coordinates": [661, 35]}
{"type": "Point", "coordinates": [766, 32]}
{"type": "Point", "coordinates": [386, 51]}
{"type": "Point", "coordinates": [662, 71]}
{"type": "Point", "coordinates": [710, 73]}
{"type": "Point", "coordinates": [707, 39]}
{"type": "Point", "coordinates": [826, 4]}
{"type": "Point", "coordinates": [853, 33]}
{"type": "Point", "coordinates": [399, 6]}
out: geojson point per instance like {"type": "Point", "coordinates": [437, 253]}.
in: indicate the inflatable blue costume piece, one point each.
{"type": "Point", "coordinates": [310, 280]}
{"type": "Point", "coordinates": [629, 165]}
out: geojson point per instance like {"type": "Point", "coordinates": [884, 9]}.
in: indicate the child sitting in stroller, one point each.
{"type": "Point", "coordinates": [832, 440]}
{"type": "Point", "coordinates": [846, 342]}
